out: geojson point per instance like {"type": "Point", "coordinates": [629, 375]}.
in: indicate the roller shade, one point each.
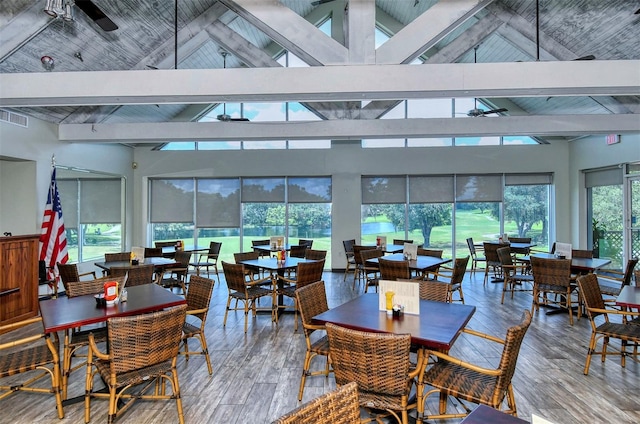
{"type": "Point", "coordinates": [479, 188]}
{"type": "Point", "coordinates": [376, 190]}
{"type": "Point", "coordinates": [603, 177]}
{"type": "Point", "coordinates": [218, 203]}
{"type": "Point", "coordinates": [309, 190]}
{"type": "Point", "coordinates": [263, 190]}
{"type": "Point", "coordinates": [101, 201]}
{"type": "Point", "coordinates": [436, 189]}
{"type": "Point", "coordinates": [68, 191]}
{"type": "Point", "coordinates": [528, 179]}
{"type": "Point", "coordinates": [171, 200]}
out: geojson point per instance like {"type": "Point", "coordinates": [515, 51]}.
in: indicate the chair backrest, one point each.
{"type": "Point", "coordinates": [138, 275]}
{"type": "Point", "coordinates": [162, 244]}
{"type": "Point", "coordinates": [401, 241]}
{"type": "Point", "coordinates": [339, 406]}
{"type": "Point", "coordinates": [551, 271]}
{"type": "Point", "coordinates": [115, 257]}
{"type": "Point", "coordinates": [491, 252]}
{"type": "Point", "coordinates": [309, 272]}
{"type": "Point", "coordinates": [377, 362]}
{"type": "Point", "coordinates": [471, 246]}
{"type": "Point", "coordinates": [580, 253]}
{"type": "Point", "coordinates": [246, 256]}
{"type": "Point", "coordinates": [312, 300]}
{"type": "Point", "coordinates": [183, 257]}
{"type": "Point", "coordinates": [68, 272]}
{"type": "Point", "coordinates": [393, 270]}
{"type": "Point", "coordinates": [504, 255]}
{"type": "Point", "coordinates": [297, 251]}
{"type": "Point", "coordinates": [264, 242]}
{"type": "Point", "coordinates": [348, 246]}
{"type": "Point", "coordinates": [459, 269]}
{"type": "Point", "coordinates": [436, 253]}
{"type": "Point", "coordinates": [305, 242]}
{"type": "Point", "coordinates": [519, 239]}
{"type": "Point", "coordinates": [214, 249]}
{"type": "Point", "coordinates": [365, 255]}
{"type": "Point", "coordinates": [591, 294]}
{"type": "Point", "coordinates": [628, 272]}
{"type": "Point", "coordinates": [315, 254]}
{"type": "Point", "coordinates": [510, 351]}
{"type": "Point", "coordinates": [144, 340]}
{"type": "Point", "coordinates": [81, 288]}
{"type": "Point", "coordinates": [358, 249]}
{"type": "Point", "coordinates": [235, 275]}
{"type": "Point", "coordinates": [153, 252]}
{"type": "Point", "coordinates": [434, 290]}
{"type": "Point", "coordinates": [199, 294]}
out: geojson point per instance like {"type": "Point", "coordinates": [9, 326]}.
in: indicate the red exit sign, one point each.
{"type": "Point", "coordinates": [613, 138]}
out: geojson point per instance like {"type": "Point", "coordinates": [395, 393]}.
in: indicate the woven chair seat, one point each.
{"type": "Point", "coordinates": [190, 330]}
{"type": "Point", "coordinates": [132, 377]}
{"type": "Point", "coordinates": [462, 383]}
{"type": "Point", "coordinates": [321, 346]}
{"type": "Point", "coordinates": [25, 360]}
{"type": "Point", "coordinates": [253, 292]}
{"type": "Point", "coordinates": [619, 331]}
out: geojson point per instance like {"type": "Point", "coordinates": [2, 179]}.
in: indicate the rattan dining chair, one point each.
{"type": "Point", "coordinates": [492, 260]}
{"type": "Point", "coordinates": [473, 252]}
{"type": "Point", "coordinates": [176, 276]}
{"type": "Point", "coordinates": [26, 354]}
{"type": "Point", "coordinates": [393, 270]}
{"type": "Point", "coordinates": [208, 259]}
{"type": "Point", "coordinates": [611, 282]}
{"type": "Point", "coordinates": [265, 242]}
{"type": "Point", "coordinates": [198, 298]}
{"type": "Point", "coordinates": [434, 253]}
{"type": "Point", "coordinates": [143, 351]}
{"type": "Point", "coordinates": [434, 290]}
{"type": "Point", "coordinates": [401, 242]}
{"type": "Point", "coordinates": [339, 406]}
{"type": "Point", "coordinates": [69, 272]}
{"type": "Point", "coordinates": [305, 274]}
{"type": "Point", "coordinates": [452, 278]}
{"type": "Point", "coordinates": [513, 274]}
{"type": "Point", "coordinates": [312, 301]}
{"type": "Point", "coordinates": [349, 256]}
{"type": "Point", "coordinates": [552, 276]}
{"type": "Point", "coordinates": [604, 329]}
{"type": "Point", "coordinates": [370, 271]}
{"type": "Point", "coordinates": [464, 381]}
{"type": "Point", "coordinates": [136, 275]}
{"type": "Point", "coordinates": [358, 274]}
{"type": "Point", "coordinates": [315, 255]}
{"type": "Point", "coordinates": [252, 272]}
{"type": "Point", "coordinates": [153, 252]}
{"type": "Point", "coordinates": [379, 364]}
{"type": "Point", "coordinates": [244, 291]}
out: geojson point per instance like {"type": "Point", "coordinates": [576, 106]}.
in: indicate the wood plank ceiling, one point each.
{"type": "Point", "coordinates": [256, 34]}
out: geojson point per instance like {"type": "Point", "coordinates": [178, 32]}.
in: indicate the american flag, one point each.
{"type": "Point", "coordinates": [53, 240]}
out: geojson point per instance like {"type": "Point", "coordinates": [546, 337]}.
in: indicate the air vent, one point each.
{"type": "Point", "coordinates": [14, 118]}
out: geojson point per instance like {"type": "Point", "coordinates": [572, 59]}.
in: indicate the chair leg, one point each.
{"type": "Point", "coordinates": [305, 370]}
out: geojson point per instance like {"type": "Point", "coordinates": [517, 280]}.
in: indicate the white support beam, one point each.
{"type": "Point", "coordinates": [291, 31]}
{"type": "Point", "coordinates": [361, 31]}
{"type": "Point", "coordinates": [29, 23]}
{"type": "Point", "coordinates": [563, 125]}
{"type": "Point", "coordinates": [426, 30]}
{"type": "Point", "coordinates": [326, 83]}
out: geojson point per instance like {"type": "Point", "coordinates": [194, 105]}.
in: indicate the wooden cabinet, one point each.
{"type": "Point", "coordinates": [18, 278]}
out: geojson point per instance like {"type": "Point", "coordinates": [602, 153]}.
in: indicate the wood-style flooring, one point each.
{"type": "Point", "coordinates": [256, 375]}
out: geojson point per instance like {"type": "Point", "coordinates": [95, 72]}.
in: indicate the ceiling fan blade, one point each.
{"type": "Point", "coordinates": [637, 12]}
{"type": "Point", "coordinates": [500, 110]}
{"type": "Point", "coordinates": [319, 2]}
{"type": "Point", "coordinates": [587, 57]}
{"type": "Point", "coordinates": [96, 15]}
{"type": "Point", "coordinates": [239, 119]}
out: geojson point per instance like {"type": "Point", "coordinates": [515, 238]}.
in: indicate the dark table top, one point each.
{"type": "Point", "coordinates": [64, 312]}
{"type": "Point", "coordinates": [484, 415]}
{"type": "Point", "coordinates": [437, 326]}
{"type": "Point", "coordinates": [157, 262]}
{"type": "Point", "coordinates": [419, 264]}
{"type": "Point", "coordinates": [272, 264]}
{"type": "Point", "coordinates": [629, 297]}
{"type": "Point", "coordinates": [579, 264]}
{"type": "Point", "coordinates": [515, 245]}
{"type": "Point", "coordinates": [268, 248]}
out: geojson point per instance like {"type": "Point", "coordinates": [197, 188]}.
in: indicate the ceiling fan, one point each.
{"type": "Point", "coordinates": [475, 112]}
{"type": "Point", "coordinates": [62, 9]}
{"type": "Point", "coordinates": [224, 117]}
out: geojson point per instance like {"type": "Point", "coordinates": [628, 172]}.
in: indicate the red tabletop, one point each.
{"type": "Point", "coordinates": [629, 297]}
{"type": "Point", "coordinates": [421, 263]}
{"type": "Point", "coordinates": [64, 313]}
{"type": "Point", "coordinates": [579, 264]}
{"type": "Point", "coordinates": [437, 326]}
{"type": "Point", "coordinates": [484, 414]}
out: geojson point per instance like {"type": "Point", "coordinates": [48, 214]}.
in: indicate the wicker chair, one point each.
{"type": "Point", "coordinates": [136, 275]}
{"type": "Point", "coordinates": [153, 252]}
{"type": "Point", "coordinates": [401, 242]}
{"type": "Point", "coordinates": [244, 291]}
{"type": "Point", "coordinates": [116, 257]}
{"type": "Point", "coordinates": [298, 250]}
{"type": "Point", "coordinates": [162, 244]}
{"type": "Point", "coordinates": [434, 290]}
{"type": "Point", "coordinates": [69, 272]}
{"type": "Point", "coordinates": [312, 300]}
{"type": "Point", "coordinates": [552, 276]}
{"type": "Point", "coordinates": [605, 329]}
{"type": "Point", "coordinates": [339, 406]}
{"type": "Point", "coordinates": [265, 242]}
{"type": "Point", "coordinates": [348, 253]}
{"type": "Point", "coordinates": [451, 376]}
{"type": "Point", "coordinates": [143, 350]}
{"type": "Point", "coordinates": [306, 242]}
{"type": "Point", "coordinates": [209, 259]}
{"type": "Point", "coordinates": [252, 272]}
{"type": "Point", "coordinates": [77, 338]}
{"type": "Point", "coordinates": [520, 250]}
{"type": "Point", "coordinates": [474, 255]}
{"type": "Point", "coordinates": [453, 279]}
{"type": "Point", "coordinates": [16, 359]}
{"type": "Point", "coordinates": [491, 257]}
{"type": "Point", "coordinates": [198, 298]}
{"type": "Point", "coordinates": [358, 273]}
{"type": "Point", "coordinates": [306, 273]}
{"type": "Point", "coordinates": [393, 270]}
{"type": "Point", "coordinates": [611, 282]}
{"type": "Point", "coordinates": [435, 253]}
{"type": "Point", "coordinates": [512, 274]}
{"type": "Point", "coordinates": [580, 253]}
{"type": "Point", "coordinates": [370, 272]}
{"type": "Point", "coordinates": [176, 276]}
{"type": "Point", "coordinates": [315, 255]}
{"type": "Point", "coordinates": [379, 364]}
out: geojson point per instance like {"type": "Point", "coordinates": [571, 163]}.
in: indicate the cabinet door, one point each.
{"type": "Point", "coordinates": [18, 280]}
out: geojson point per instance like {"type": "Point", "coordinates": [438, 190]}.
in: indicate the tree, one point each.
{"type": "Point", "coordinates": [423, 217]}
{"type": "Point", "coordinates": [525, 205]}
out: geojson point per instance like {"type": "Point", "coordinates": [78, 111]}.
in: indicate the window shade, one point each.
{"type": "Point", "coordinates": [263, 190]}
{"type": "Point", "coordinates": [603, 177]}
{"type": "Point", "coordinates": [479, 188]}
{"type": "Point", "coordinates": [528, 179]}
{"type": "Point", "coordinates": [436, 189]}
{"type": "Point", "coordinates": [218, 203]}
{"type": "Point", "coordinates": [172, 200]}
{"type": "Point", "coordinates": [309, 190]}
{"type": "Point", "coordinates": [383, 190]}
{"type": "Point", "coordinates": [101, 201]}
{"type": "Point", "coordinates": [68, 191]}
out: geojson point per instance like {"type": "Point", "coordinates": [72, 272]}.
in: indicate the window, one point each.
{"type": "Point", "coordinates": [526, 207]}
{"type": "Point", "coordinates": [430, 211]}
{"type": "Point", "coordinates": [605, 214]}
{"type": "Point", "coordinates": [172, 210]}
{"type": "Point", "coordinates": [383, 210]}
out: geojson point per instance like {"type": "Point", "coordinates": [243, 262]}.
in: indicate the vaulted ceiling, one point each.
{"type": "Point", "coordinates": [517, 54]}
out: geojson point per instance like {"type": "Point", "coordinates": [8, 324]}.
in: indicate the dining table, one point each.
{"type": "Point", "coordinates": [436, 327]}
{"type": "Point", "coordinates": [629, 297]}
{"type": "Point", "coordinates": [267, 249]}
{"type": "Point", "coordinates": [421, 263]}
{"type": "Point", "coordinates": [66, 313]}
{"type": "Point", "coordinates": [579, 265]}
{"type": "Point", "coordinates": [159, 264]}
{"type": "Point", "coordinates": [484, 414]}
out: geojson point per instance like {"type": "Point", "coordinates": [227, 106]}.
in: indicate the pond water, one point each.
{"type": "Point", "coordinates": [377, 228]}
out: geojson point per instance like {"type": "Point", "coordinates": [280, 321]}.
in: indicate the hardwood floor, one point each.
{"type": "Point", "coordinates": [256, 376]}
